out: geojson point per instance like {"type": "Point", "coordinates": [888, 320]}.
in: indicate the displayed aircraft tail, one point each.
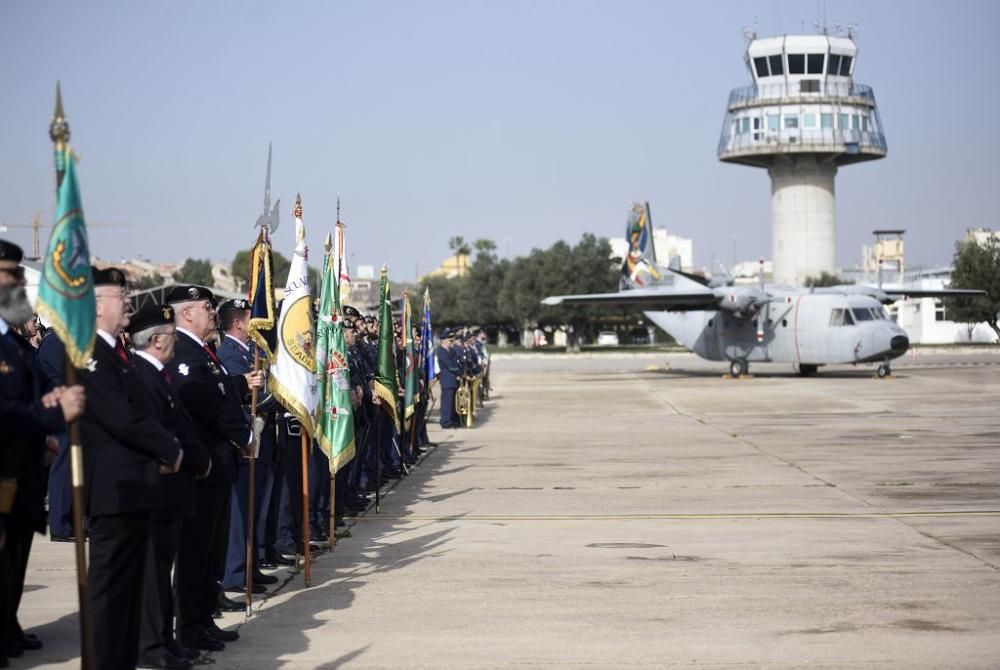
{"type": "Point", "coordinates": [639, 267]}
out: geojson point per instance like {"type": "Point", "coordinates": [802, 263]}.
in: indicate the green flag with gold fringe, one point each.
{"type": "Point", "coordinates": [385, 372]}
{"type": "Point", "coordinates": [334, 412]}
{"type": "Point", "coordinates": [66, 288]}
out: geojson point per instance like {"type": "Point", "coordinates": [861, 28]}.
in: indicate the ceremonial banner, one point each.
{"type": "Point", "coordinates": [410, 373]}
{"type": "Point", "coordinates": [261, 326]}
{"type": "Point", "coordinates": [293, 372]}
{"type": "Point", "coordinates": [66, 289]}
{"type": "Point", "coordinates": [428, 361]}
{"type": "Point", "coordinates": [385, 372]}
{"type": "Point", "coordinates": [338, 257]}
{"type": "Point", "coordinates": [334, 413]}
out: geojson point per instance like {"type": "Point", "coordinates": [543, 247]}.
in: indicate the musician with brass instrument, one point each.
{"type": "Point", "coordinates": [468, 363]}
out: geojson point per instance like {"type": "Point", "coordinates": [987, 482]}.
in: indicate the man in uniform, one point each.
{"type": "Point", "coordinates": [125, 450]}
{"type": "Point", "coordinates": [30, 409]}
{"type": "Point", "coordinates": [213, 401]}
{"type": "Point", "coordinates": [448, 373]}
{"type": "Point", "coordinates": [237, 358]}
{"type": "Point", "coordinates": [153, 337]}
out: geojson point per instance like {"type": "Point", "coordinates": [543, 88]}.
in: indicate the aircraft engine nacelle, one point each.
{"type": "Point", "coordinates": [741, 303]}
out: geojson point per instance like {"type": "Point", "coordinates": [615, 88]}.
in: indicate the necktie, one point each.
{"type": "Point", "coordinates": [120, 350]}
{"type": "Point", "coordinates": [166, 377]}
{"type": "Point", "coordinates": [211, 354]}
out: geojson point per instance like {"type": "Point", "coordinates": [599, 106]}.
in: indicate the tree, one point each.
{"type": "Point", "coordinates": [151, 281]}
{"type": "Point", "coordinates": [458, 245]}
{"type": "Point", "coordinates": [977, 266]}
{"type": "Point", "coordinates": [825, 279]}
{"type": "Point", "coordinates": [197, 272]}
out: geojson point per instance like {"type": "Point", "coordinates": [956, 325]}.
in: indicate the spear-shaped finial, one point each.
{"type": "Point", "coordinates": [297, 212]}
{"type": "Point", "coordinates": [385, 270]}
{"type": "Point", "coordinates": [59, 128]}
{"type": "Point", "coordinates": [338, 208]}
{"type": "Point", "coordinates": [328, 244]}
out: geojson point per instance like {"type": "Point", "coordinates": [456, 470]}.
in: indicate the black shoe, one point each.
{"type": "Point", "coordinates": [3, 662]}
{"type": "Point", "coordinates": [222, 635]}
{"type": "Point", "coordinates": [340, 523]}
{"type": "Point", "coordinates": [11, 649]}
{"type": "Point", "coordinates": [281, 560]}
{"type": "Point", "coordinates": [163, 659]}
{"type": "Point", "coordinates": [62, 538]}
{"type": "Point", "coordinates": [179, 651]}
{"type": "Point", "coordinates": [261, 578]}
{"type": "Point", "coordinates": [392, 475]}
{"type": "Point", "coordinates": [202, 641]}
{"type": "Point", "coordinates": [30, 642]}
{"type": "Point", "coordinates": [257, 588]}
{"type": "Point", "coordinates": [216, 613]}
{"type": "Point", "coordinates": [228, 604]}
{"type": "Point", "coordinates": [267, 565]}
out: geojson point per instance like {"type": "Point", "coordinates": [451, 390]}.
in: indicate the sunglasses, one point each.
{"type": "Point", "coordinates": [17, 272]}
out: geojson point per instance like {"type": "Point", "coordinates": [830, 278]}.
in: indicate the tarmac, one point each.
{"type": "Point", "coordinates": [622, 510]}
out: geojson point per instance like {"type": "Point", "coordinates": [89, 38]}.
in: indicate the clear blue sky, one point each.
{"type": "Point", "coordinates": [523, 122]}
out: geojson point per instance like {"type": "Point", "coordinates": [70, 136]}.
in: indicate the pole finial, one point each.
{"type": "Point", "coordinates": [338, 208]}
{"type": "Point", "coordinates": [297, 212]}
{"type": "Point", "coordinates": [59, 128]}
{"type": "Point", "coordinates": [328, 244]}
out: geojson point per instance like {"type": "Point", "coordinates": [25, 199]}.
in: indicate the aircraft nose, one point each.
{"type": "Point", "coordinates": [899, 344]}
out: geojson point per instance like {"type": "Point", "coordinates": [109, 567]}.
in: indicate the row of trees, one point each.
{"type": "Point", "coordinates": [977, 266]}
{"type": "Point", "coordinates": [508, 293]}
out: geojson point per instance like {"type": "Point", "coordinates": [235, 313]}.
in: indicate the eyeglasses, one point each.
{"type": "Point", "coordinates": [15, 272]}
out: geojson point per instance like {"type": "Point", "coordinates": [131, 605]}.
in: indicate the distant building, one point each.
{"type": "Point", "coordinates": [748, 272]}
{"type": "Point", "coordinates": [925, 320]}
{"type": "Point", "coordinates": [451, 267]}
{"type": "Point", "coordinates": [666, 247]}
{"type": "Point", "coordinates": [982, 236]}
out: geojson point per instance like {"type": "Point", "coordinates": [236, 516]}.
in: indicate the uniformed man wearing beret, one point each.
{"type": "Point", "coordinates": [449, 373]}
{"type": "Point", "coordinates": [125, 450]}
{"type": "Point", "coordinates": [213, 400]}
{"type": "Point", "coordinates": [30, 409]}
{"type": "Point", "coordinates": [154, 336]}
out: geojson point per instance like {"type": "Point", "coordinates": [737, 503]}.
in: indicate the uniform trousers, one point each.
{"type": "Point", "coordinates": [60, 492]}
{"type": "Point", "coordinates": [449, 417]}
{"type": "Point", "coordinates": [158, 595]}
{"type": "Point", "coordinates": [118, 546]}
{"type": "Point", "coordinates": [14, 566]}
{"type": "Point", "coordinates": [203, 538]}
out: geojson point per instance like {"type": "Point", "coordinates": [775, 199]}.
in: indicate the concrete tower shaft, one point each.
{"type": "Point", "coordinates": [802, 118]}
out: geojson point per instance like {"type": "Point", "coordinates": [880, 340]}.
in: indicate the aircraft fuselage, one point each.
{"type": "Point", "coordinates": [795, 327]}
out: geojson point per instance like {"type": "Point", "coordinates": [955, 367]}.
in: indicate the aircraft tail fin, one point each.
{"type": "Point", "coordinates": [639, 267]}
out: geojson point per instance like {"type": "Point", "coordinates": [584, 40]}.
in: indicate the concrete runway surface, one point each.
{"type": "Point", "coordinates": [619, 511]}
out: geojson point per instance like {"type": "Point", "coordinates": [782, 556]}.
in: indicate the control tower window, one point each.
{"type": "Point", "coordinates": [792, 121]}
{"type": "Point", "coordinates": [808, 120]}
{"type": "Point", "coordinates": [772, 122]}
{"type": "Point", "coordinates": [815, 63]}
{"type": "Point", "coordinates": [845, 66]}
{"type": "Point", "coordinates": [760, 65]}
{"type": "Point", "coordinates": [833, 64]}
{"type": "Point", "coordinates": [826, 120]}
{"type": "Point", "coordinates": [775, 63]}
{"type": "Point", "coordinates": [796, 63]}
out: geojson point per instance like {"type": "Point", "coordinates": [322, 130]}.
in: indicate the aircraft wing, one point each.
{"type": "Point", "coordinates": [648, 299]}
{"type": "Point", "coordinates": [932, 293]}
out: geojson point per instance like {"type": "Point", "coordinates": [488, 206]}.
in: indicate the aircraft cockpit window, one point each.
{"type": "Point", "coordinates": [841, 317]}
{"type": "Point", "coordinates": [862, 314]}
{"type": "Point", "coordinates": [882, 314]}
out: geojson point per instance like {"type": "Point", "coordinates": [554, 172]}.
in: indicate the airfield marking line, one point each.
{"type": "Point", "coordinates": [724, 516]}
{"type": "Point", "coordinates": [856, 497]}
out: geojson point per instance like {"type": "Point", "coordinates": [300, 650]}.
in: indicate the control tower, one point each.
{"type": "Point", "coordinates": [801, 119]}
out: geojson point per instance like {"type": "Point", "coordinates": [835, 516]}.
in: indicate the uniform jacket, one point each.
{"type": "Point", "coordinates": [123, 445]}
{"type": "Point", "coordinates": [166, 406]}
{"type": "Point", "coordinates": [213, 400]}
{"type": "Point", "coordinates": [447, 367]}
{"type": "Point", "coordinates": [25, 423]}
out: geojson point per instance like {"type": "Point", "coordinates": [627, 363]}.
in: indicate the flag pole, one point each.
{"type": "Point", "coordinates": [305, 503]}
{"type": "Point", "coordinates": [327, 247]}
{"type": "Point", "coordinates": [59, 134]}
{"type": "Point", "coordinates": [251, 476]}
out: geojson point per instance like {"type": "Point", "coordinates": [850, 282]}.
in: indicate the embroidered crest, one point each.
{"type": "Point", "coordinates": [183, 369]}
{"type": "Point", "coordinates": [92, 365]}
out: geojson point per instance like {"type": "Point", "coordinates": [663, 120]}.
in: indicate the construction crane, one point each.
{"type": "Point", "coordinates": [36, 225]}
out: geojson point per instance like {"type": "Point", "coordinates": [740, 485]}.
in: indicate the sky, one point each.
{"type": "Point", "coordinates": [521, 122]}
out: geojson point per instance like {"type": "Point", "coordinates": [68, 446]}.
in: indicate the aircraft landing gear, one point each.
{"type": "Point", "coordinates": [883, 371]}
{"type": "Point", "coordinates": [738, 367]}
{"type": "Point", "coordinates": [805, 369]}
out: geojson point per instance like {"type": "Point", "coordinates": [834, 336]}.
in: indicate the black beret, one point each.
{"type": "Point", "coordinates": [237, 305]}
{"type": "Point", "coordinates": [188, 293]}
{"type": "Point", "coordinates": [369, 319]}
{"type": "Point", "coordinates": [108, 277]}
{"type": "Point", "coordinates": [351, 311]}
{"type": "Point", "coordinates": [10, 252]}
{"type": "Point", "coordinates": [150, 315]}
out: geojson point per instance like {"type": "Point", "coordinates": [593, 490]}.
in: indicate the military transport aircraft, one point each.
{"type": "Point", "coordinates": [808, 327]}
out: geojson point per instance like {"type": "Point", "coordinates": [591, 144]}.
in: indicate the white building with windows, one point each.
{"type": "Point", "coordinates": [925, 320]}
{"type": "Point", "coordinates": [802, 118]}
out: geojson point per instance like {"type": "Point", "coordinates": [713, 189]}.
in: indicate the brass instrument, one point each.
{"type": "Point", "coordinates": [463, 402]}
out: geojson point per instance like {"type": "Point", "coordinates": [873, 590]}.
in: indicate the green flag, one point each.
{"type": "Point", "coordinates": [410, 374]}
{"type": "Point", "coordinates": [334, 413]}
{"type": "Point", "coordinates": [66, 288]}
{"type": "Point", "coordinates": [385, 373]}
